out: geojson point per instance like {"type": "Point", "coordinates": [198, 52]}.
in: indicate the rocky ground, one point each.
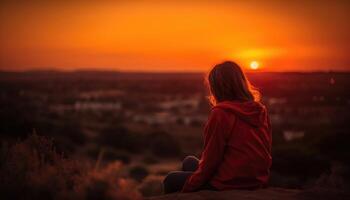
{"type": "Point", "coordinates": [269, 193]}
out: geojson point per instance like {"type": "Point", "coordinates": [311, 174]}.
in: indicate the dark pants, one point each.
{"type": "Point", "coordinates": [174, 181]}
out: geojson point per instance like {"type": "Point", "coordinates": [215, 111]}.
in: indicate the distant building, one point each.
{"type": "Point", "coordinates": [276, 119]}
{"type": "Point", "coordinates": [96, 94]}
{"type": "Point", "coordinates": [97, 106]}
{"type": "Point", "coordinates": [290, 135]}
{"type": "Point", "coordinates": [191, 103]}
{"type": "Point", "coordinates": [156, 118]}
{"type": "Point", "coordinates": [274, 100]}
{"type": "Point", "coordinates": [169, 118]}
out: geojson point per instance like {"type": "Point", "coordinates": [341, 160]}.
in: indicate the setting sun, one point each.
{"type": "Point", "coordinates": [254, 65]}
{"type": "Point", "coordinates": [174, 36]}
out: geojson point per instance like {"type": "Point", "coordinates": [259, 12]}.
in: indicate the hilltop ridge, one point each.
{"type": "Point", "coordinates": [269, 193]}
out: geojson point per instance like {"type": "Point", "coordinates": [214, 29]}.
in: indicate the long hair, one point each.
{"type": "Point", "coordinates": [227, 82]}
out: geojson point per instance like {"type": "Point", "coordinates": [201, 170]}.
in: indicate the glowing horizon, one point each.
{"type": "Point", "coordinates": [173, 36]}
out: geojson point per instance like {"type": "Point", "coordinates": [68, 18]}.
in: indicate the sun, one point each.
{"type": "Point", "coordinates": [254, 65]}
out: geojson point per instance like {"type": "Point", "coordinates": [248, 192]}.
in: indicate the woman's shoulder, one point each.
{"type": "Point", "coordinates": [216, 110]}
{"type": "Point", "coordinates": [221, 114]}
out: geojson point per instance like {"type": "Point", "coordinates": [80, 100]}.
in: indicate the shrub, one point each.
{"type": "Point", "coordinates": [120, 138]}
{"type": "Point", "coordinates": [160, 143]}
{"type": "Point", "coordinates": [113, 155]}
{"type": "Point", "coordinates": [138, 173]}
{"type": "Point", "coordinates": [32, 169]}
{"type": "Point", "coordinates": [109, 154]}
{"type": "Point", "coordinates": [149, 159]}
{"type": "Point", "coordinates": [152, 186]}
{"type": "Point", "coordinates": [164, 145]}
{"type": "Point", "coordinates": [334, 183]}
{"type": "Point", "coordinates": [106, 184]}
{"type": "Point", "coordinates": [336, 147]}
{"type": "Point", "coordinates": [304, 166]}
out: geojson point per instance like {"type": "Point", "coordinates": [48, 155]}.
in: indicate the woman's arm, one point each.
{"type": "Point", "coordinates": [215, 138]}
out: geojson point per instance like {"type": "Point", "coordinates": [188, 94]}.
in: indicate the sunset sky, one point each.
{"type": "Point", "coordinates": [174, 35]}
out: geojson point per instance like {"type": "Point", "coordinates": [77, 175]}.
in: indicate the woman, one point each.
{"type": "Point", "coordinates": [237, 138]}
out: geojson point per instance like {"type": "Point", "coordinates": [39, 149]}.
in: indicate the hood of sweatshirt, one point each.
{"type": "Point", "coordinates": [253, 113]}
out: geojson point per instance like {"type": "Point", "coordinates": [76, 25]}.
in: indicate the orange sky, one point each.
{"type": "Point", "coordinates": [174, 35]}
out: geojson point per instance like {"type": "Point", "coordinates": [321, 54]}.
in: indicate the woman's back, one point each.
{"type": "Point", "coordinates": [247, 156]}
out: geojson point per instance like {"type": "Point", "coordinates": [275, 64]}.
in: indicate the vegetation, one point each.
{"type": "Point", "coordinates": [47, 103]}
{"type": "Point", "coordinates": [138, 173]}
{"type": "Point", "coordinates": [160, 143]}
{"type": "Point", "coordinates": [32, 169]}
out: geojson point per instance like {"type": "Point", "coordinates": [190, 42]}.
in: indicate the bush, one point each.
{"type": "Point", "coordinates": [334, 183]}
{"type": "Point", "coordinates": [138, 173]}
{"type": "Point", "coordinates": [160, 143]}
{"type": "Point", "coordinates": [304, 166]}
{"type": "Point", "coordinates": [106, 184]}
{"type": "Point", "coordinates": [109, 154]}
{"type": "Point", "coordinates": [120, 138]}
{"type": "Point", "coordinates": [164, 145]}
{"type": "Point", "coordinates": [152, 186]}
{"type": "Point", "coordinates": [32, 169]}
{"type": "Point", "coordinates": [336, 147]}
{"type": "Point", "coordinates": [148, 159]}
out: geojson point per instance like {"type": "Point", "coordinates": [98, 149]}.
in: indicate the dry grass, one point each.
{"type": "Point", "coordinates": [32, 169]}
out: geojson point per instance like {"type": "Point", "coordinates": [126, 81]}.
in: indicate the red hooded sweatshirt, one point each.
{"type": "Point", "coordinates": [237, 148]}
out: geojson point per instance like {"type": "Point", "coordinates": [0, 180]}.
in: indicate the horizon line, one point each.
{"type": "Point", "coordinates": [161, 71]}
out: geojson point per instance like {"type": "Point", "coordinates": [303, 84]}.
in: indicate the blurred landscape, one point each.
{"type": "Point", "coordinates": [148, 122]}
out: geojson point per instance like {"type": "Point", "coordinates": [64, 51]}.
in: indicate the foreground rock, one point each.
{"type": "Point", "coordinates": [269, 193]}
